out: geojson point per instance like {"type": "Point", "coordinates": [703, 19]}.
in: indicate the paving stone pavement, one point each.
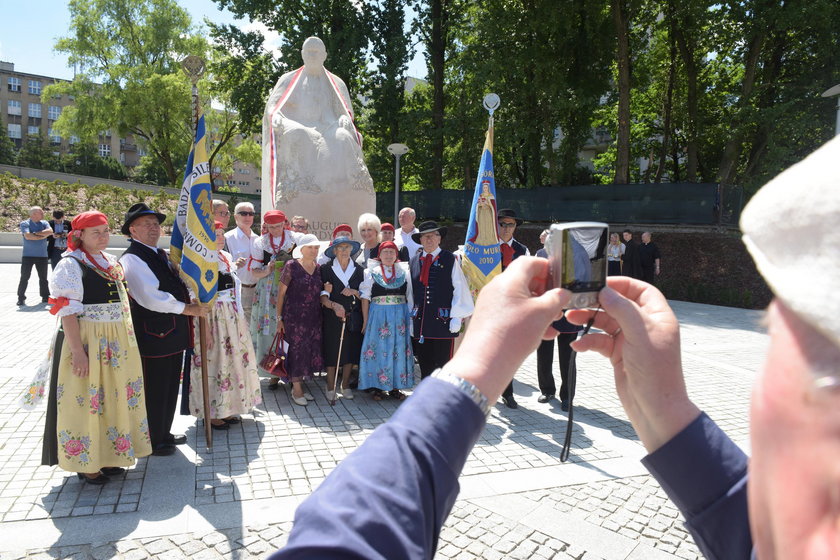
{"type": "Point", "coordinates": [237, 501]}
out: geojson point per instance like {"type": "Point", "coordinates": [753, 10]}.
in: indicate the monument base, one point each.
{"type": "Point", "coordinates": [325, 211]}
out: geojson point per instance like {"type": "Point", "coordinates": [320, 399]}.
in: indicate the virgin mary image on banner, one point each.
{"type": "Point", "coordinates": [486, 224]}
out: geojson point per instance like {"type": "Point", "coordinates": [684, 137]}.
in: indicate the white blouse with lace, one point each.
{"type": "Point", "coordinates": [66, 281]}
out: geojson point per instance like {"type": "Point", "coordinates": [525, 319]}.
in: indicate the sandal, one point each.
{"type": "Point", "coordinates": [397, 394]}
{"type": "Point", "coordinates": [378, 394]}
{"type": "Point", "coordinates": [272, 385]}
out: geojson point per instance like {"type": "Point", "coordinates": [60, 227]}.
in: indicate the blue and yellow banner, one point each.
{"type": "Point", "coordinates": [482, 256]}
{"type": "Point", "coordinates": [193, 245]}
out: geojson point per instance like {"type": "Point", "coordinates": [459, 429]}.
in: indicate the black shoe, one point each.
{"type": "Point", "coordinates": [510, 402]}
{"type": "Point", "coordinates": [273, 384]}
{"type": "Point", "coordinates": [21, 302]}
{"type": "Point", "coordinates": [564, 406]}
{"type": "Point", "coordinates": [99, 480]}
{"type": "Point", "coordinates": [112, 471]}
{"type": "Point", "coordinates": [544, 398]}
{"type": "Point", "coordinates": [219, 426]}
{"type": "Point", "coordinates": [175, 440]}
{"type": "Point", "coordinates": [163, 449]}
{"type": "Point", "coordinates": [45, 300]}
{"type": "Point", "coordinates": [232, 420]}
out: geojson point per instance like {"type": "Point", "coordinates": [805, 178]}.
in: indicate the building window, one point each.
{"type": "Point", "coordinates": [35, 87]}
{"type": "Point", "coordinates": [55, 138]}
{"type": "Point", "coordinates": [53, 112]}
{"type": "Point", "coordinates": [32, 130]}
{"type": "Point", "coordinates": [14, 107]}
{"type": "Point", "coordinates": [35, 110]}
{"type": "Point", "coordinates": [14, 84]}
{"type": "Point", "coordinates": [122, 158]}
{"type": "Point", "coordinates": [73, 140]}
{"type": "Point", "coordinates": [245, 171]}
{"type": "Point", "coordinates": [14, 131]}
{"type": "Point", "coordinates": [105, 150]}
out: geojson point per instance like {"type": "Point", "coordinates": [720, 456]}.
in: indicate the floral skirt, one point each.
{"type": "Point", "coordinates": [387, 361]}
{"type": "Point", "coordinates": [264, 317]}
{"type": "Point", "coordinates": [234, 386]}
{"type": "Point", "coordinates": [101, 419]}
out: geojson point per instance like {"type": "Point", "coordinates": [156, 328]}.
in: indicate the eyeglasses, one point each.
{"type": "Point", "coordinates": [299, 227]}
{"type": "Point", "coordinates": [224, 213]}
{"type": "Point", "coordinates": [244, 213]}
{"type": "Point", "coordinates": [507, 224]}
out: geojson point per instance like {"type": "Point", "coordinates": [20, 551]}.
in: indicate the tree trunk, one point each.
{"type": "Point", "coordinates": [691, 74]}
{"type": "Point", "coordinates": [437, 56]}
{"type": "Point", "coordinates": [669, 95]}
{"type": "Point", "coordinates": [621, 21]}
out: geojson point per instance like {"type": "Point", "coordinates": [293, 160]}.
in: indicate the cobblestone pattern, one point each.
{"type": "Point", "coordinates": [635, 507]}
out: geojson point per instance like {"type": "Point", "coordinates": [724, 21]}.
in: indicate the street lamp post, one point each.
{"type": "Point", "coordinates": [397, 150]}
{"type": "Point", "coordinates": [835, 92]}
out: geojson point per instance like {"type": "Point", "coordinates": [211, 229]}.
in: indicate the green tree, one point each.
{"type": "Point", "coordinates": [130, 79]}
{"type": "Point", "coordinates": [84, 159]}
{"type": "Point", "coordinates": [36, 153]}
{"type": "Point", "coordinates": [8, 154]}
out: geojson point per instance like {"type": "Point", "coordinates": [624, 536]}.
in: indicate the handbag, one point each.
{"type": "Point", "coordinates": [354, 318]}
{"type": "Point", "coordinates": [274, 362]}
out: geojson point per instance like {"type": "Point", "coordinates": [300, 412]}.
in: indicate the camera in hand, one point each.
{"type": "Point", "coordinates": [578, 260]}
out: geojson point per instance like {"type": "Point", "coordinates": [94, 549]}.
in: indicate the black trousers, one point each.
{"type": "Point", "coordinates": [433, 353]}
{"type": "Point", "coordinates": [55, 256]}
{"type": "Point", "coordinates": [40, 264]}
{"type": "Point", "coordinates": [566, 357]}
{"type": "Point", "coordinates": [162, 378]}
{"type": "Point", "coordinates": [648, 275]}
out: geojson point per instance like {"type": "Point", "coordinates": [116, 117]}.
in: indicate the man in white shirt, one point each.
{"type": "Point", "coordinates": [240, 244]}
{"type": "Point", "coordinates": [160, 303]}
{"type": "Point", "coordinates": [403, 236]}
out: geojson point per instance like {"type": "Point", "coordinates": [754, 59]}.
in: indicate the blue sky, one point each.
{"type": "Point", "coordinates": [31, 27]}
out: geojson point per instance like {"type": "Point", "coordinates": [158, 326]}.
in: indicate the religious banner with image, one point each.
{"type": "Point", "coordinates": [482, 256]}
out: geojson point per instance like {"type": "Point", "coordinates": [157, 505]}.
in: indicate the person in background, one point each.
{"type": "Point", "coordinates": [221, 212]}
{"type": "Point", "coordinates": [369, 228]}
{"type": "Point", "coordinates": [615, 254]}
{"type": "Point", "coordinates": [630, 264]}
{"type": "Point", "coordinates": [441, 296]}
{"type": "Point", "coordinates": [57, 242]}
{"type": "Point", "coordinates": [341, 230]}
{"type": "Point", "coordinates": [160, 307]}
{"type": "Point", "coordinates": [388, 233]}
{"type": "Point", "coordinates": [649, 258]}
{"type": "Point", "coordinates": [387, 362]}
{"type": "Point", "coordinates": [299, 316]}
{"type": "Point", "coordinates": [240, 242]}
{"type": "Point", "coordinates": [300, 224]}
{"type": "Point", "coordinates": [36, 233]}
{"type": "Point", "coordinates": [511, 250]}
{"type": "Point", "coordinates": [342, 316]}
{"type": "Point", "coordinates": [404, 236]}
{"type": "Point", "coordinates": [96, 422]}
{"type": "Point", "coordinates": [231, 367]}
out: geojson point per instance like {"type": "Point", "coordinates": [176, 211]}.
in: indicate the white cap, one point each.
{"type": "Point", "coordinates": [308, 240]}
{"type": "Point", "coordinates": [791, 228]}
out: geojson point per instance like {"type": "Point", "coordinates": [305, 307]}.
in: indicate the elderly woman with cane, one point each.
{"type": "Point", "coordinates": [387, 362]}
{"type": "Point", "coordinates": [96, 415]}
{"type": "Point", "coordinates": [342, 316]}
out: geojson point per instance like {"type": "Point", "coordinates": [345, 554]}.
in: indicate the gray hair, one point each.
{"type": "Point", "coordinates": [240, 206]}
{"type": "Point", "coordinates": [299, 218]}
{"type": "Point", "coordinates": [370, 220]}
{"type": "Point", "coordinates": [33, 209]}
{"type": "Point", "coordinates": [218, 202]}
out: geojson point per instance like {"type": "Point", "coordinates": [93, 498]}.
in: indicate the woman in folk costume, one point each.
{"type": "Point", "coordinates": [234, 386]}
{"type": "Point", "coordinates": [275, 248]}
{"type": "Point", "coordinates": [96, 415]}
{"type": "Point", "coordinates": [387, 362]}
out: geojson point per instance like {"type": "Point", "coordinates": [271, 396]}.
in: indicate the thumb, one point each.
{"type": "Point", "coordinates": [624, 311]}
{"type": "Point", "coordinates": [551, 303]}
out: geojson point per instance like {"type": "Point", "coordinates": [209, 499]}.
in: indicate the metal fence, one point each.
{"type": "Point", "coordinates": [676, 203]}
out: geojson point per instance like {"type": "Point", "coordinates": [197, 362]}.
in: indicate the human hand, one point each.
{"type": "Point", "coordinates": [79, 360]}
{"type": "Point", "coordinates": [348, 292]}
{"type": "Point", "coordinates": [641, 338]}
{"type": "Point", "coordinates": [328, 287]}
{"type": "Point", "coordinates": [281, 328]}
{"type": "Point", "coordinates": [196, 309]}
{"type": "Point", "coordinates": [455, 324]}
{"type": "Point", "coordinates": [240, 262]}
{"type": "Point", "coordinates": [339, 311]}
{"type": "Point", "coordinates": [512, 315]}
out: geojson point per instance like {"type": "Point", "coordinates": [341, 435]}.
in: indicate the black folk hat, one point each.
{"type": "Point", "coordinates": [138, 211]}
{"type": "Point", "coordinates": [428, 227]}
{"type": "Point", "coordinates": [509, 213]}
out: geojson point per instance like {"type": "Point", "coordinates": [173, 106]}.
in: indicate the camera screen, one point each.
{"type": "Point", "coordinates": [584, 262]}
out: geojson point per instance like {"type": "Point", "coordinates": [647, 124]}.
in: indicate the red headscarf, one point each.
{"type": "Point", "coordinates": [388, 245]}
{"type": "Point", "coordinates": [387, 227]}
{"type": "Point", "coordinates": [91, 218]}
{"type": "Point", "coordinates": [274, 217]}
{"type": "Point", "coordinates": [342, 227]}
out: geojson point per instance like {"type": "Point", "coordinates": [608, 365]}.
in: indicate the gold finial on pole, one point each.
{"type": "Point", "coordinates": [193, 66]}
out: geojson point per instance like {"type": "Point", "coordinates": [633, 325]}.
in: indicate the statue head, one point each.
{"type": "Point", "coordinates": [314, 52]}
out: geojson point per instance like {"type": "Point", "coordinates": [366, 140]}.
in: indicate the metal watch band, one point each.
{"type": "Point", "coordinates": [467, 388]}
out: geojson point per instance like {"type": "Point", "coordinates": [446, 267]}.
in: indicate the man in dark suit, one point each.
{"type": "Point", "coordinates": [160, 304]}
{"type": "Point", "coordinates": [57, 242]}
{"type": "Point", "coordinates": [631, 265]}
{"type": "Point", "coordinates": [511, 250]}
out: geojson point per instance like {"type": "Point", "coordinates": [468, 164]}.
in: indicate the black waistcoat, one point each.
{"type": "Point", "coordinates": [433, 303]}
{"type": "Point", "coordinates": [160, 334]}
{"type": "Point", "coordinates": [519, 250]}
{"type": "Point", "coordinates": [96, 288]}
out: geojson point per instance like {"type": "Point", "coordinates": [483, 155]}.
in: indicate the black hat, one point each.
{"type": "Point", "coordinates": [508, 213]}
{"type": "Point", "coordinates": [138, 211]}
{"type": "Point", "coordinates": [428, 227]}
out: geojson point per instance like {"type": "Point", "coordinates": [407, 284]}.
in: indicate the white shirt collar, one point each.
{"type": "Point", "coordinates": [434, 253]}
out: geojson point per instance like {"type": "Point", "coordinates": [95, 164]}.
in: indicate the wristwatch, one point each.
{"type": "Point", "coordinates": [467, 388]}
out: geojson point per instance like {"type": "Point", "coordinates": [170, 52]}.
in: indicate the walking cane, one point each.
{"type": "Point", "coordinates": [338, 359]}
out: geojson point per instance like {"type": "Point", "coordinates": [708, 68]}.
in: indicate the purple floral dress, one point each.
{"type": "Point", "coordinates": [302, 319]}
